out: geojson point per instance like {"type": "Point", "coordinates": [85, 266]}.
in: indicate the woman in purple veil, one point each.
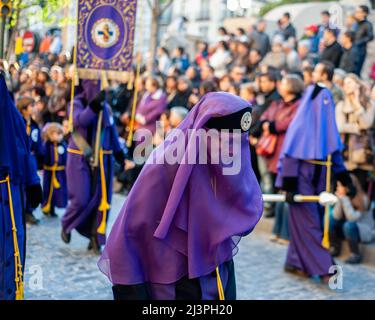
{"type": "Point", "coordinates": [180, 245]}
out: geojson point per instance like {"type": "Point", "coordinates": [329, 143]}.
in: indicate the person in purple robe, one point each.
{"type": "Point", "coordinates": [92, 148]}
{"type": "Point", "coordinates": [18, 180]}
{"type": "Point", "coordinates": [311, 138]}
{"type": "Point", "coordinates": [151, 106]}
{"type": "Point", "coordinates": [55, 191]}
{"type": "Point", "coordinates": [180, 245]}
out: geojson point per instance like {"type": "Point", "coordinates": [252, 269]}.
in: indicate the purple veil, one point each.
{"type": "Point", "coordinates": [313, 133]}
{"type": "Point", "coordinates": [175, 222]}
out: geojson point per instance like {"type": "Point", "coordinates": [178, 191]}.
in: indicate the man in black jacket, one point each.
{"type": "Point", "coordinates": [350, 57]}
{"type": "Point", "coordinates": [288, 30]}
{"type": "Point", "coordinates": [363, 35]}
{"type": "Point", "coordinates": [333, 50]}
{"type": "Point", "coordinates": [268, 88]}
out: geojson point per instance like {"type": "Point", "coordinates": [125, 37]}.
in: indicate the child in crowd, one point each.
{"type": "Point", "coordinates": [55, 192]}
{"type": "Point", "coordinates": [352, 220]}
{"type": "Point", "coordinates": [248, 92]}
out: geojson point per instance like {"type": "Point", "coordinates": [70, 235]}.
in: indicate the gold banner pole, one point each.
{"type": "Point", "coordinates": [325, 241]}
{"type": "Point", "coordinates": [136, 80]}
{"type": "Point", "coordinates": [75, 77]}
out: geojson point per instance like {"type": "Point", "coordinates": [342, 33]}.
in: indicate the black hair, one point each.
{"type": "Point", "coordinates": [332, 31]}
{"type": "Point", "coordinates": [328, 69]}
{"type": "Point", "coordinates": [181, 50]}
{"type": "Point", "coordinates": [350, 35]}
{"type": "Point", "coordinates": [225, 45]}
{"type": "Point", "coordinates": [165, 50]}
{"type": "Point", "coordinates": [208, 86]}
{"type": "Point", "coordinates": [270, 75]}
{"type": "Point", "coordinates": [364, 8]}
{"type": "Point", "coordinates": [223, 30]}
{"type": "Point", "coordinates": [325, 13]}
{"type": "Point", "coordinates": [241, 30]}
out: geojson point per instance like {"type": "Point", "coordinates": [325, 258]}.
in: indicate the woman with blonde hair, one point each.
{"type": "Point", "coordinates": [355, 118]}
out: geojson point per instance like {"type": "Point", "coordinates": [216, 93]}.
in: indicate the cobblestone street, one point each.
{"type": "Point", "coordinates": [70, 271]}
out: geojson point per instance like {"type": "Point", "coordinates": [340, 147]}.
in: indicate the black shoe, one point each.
{"type": "Point", "coordinates": [52, 213]}
{"type": "Point", "coordinates": [354, 259]}
{"type": "Point", "coordinates": [30, 219]}
{"type": "Point", "coordinates": [269, 213]}
{"type": "Point", "coordinates": [94, 245]}
{"type": "Point", "coordinates": [65, 236]}
{"type": "Point", "coordinates": [334, 251]}
{"type": "Point", "coordinates": [295, 271]}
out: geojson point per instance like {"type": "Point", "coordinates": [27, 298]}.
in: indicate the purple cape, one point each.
{"type": "Point", "coordinates": [312, 134]}
{"type": "Point", "coordinates": [14, 142]}
{"type": "Point", "coordinates": [174, 222]}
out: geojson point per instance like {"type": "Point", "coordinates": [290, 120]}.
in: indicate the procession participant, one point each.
{"type": "Point", "coordinates": [151, 106]}
{"type": "Point", "coordinates": [180, 245]}
{"type": "Point", "coordinates": [91, 149]}
{"type": "Point", "coordinates": [18, 178]}
{"type": "Point", "coordinates": [55, 193]}
{"type": "Point", "coordinates": [312, 145]}
{"type": "Point", "coordinates": [26, 107]}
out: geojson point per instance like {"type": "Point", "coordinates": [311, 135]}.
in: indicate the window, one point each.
{"type": "Point", "coordinates": [204, 13]}
{"type": "Point", "coordinates": [204, 32]}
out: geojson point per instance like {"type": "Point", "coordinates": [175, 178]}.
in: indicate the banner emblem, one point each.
{"type": "Point", "coordinates": [105, 33]}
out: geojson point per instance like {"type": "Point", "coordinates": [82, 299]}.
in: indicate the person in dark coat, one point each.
{"type": "Point", "coordinates": [350, 57]}
{"type": "Point", "coordinates": [364, 34]}
{"type": "Point", "coordinates": [333, 50]}
{"type": "Point", "coordinates": [183, 92]}
{"type": "Point", "coordinates": [288, 30]}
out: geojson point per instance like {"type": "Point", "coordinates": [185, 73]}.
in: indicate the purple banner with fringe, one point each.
{"type": "Point", "coordinates": [105, 38]}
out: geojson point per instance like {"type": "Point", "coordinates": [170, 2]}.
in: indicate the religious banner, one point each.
{"type": "Point", "coordinates": [105, 38]}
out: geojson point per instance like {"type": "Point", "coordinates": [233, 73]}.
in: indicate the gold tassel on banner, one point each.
{"type": "Point", "coordinates": [104, 84]}
{"type": "Point", "coordinates": [325, 241]}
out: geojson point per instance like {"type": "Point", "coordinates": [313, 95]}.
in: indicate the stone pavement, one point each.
{"type": "Point", "coordinates": [55, 270]}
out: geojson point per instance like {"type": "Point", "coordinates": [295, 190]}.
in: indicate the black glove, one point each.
{"type": "Point", "coordinates": [120, 157]}
{"type": "Point", "coordinates": [346, 181]}
{"type": "Point", "coordinates": [289, 197]}
{"type": "Point", "coordinates": [96, 104]}
{"type": "Point", "coordinates": [34, 195]}
{"type": "Point", "coordinates": [290, 184]}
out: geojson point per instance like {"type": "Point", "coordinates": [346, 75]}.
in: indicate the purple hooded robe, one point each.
{"type": "Point", "coordinates": [84, 187]}
{"type": "Point", "coordinates": [312, 135]}
{"type": "Point", "coordinates": [16, 162]}
{"type": "Point", "coordinates": [184, 220]}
